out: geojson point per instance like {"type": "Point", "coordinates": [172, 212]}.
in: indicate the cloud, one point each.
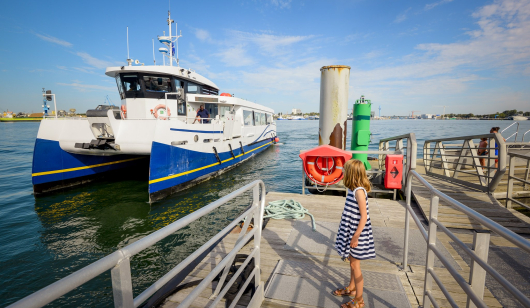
{"type": "Point", "coordinates": [54, 40]}
{"type": "Point", "coordinates": [402, 17]}
{"type": "Point", "coordinates": [266, 43]}
{"type": "Point", "coordinates": [282, 4]}
{"type": "Point", "coordinates": [235, 56]}
{"type": "Point", "coordinates": [435, 4]}
{"type": "Point", "coordinates": [97, 63]}
{"type": "Point", "coordinates": [202, 35]}
{"type": "Point", "coordinates": [76, 84]}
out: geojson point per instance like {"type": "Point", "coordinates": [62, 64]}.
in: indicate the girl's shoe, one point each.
{"type": "Point", "coordinates": [344, 292]}
{"type": "Point", "coordinates": [354, 303]}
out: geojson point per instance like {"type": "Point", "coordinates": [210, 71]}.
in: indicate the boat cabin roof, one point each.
{"type": "Point", "coordinates": [176, 71]}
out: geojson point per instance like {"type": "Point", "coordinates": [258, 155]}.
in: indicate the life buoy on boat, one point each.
{"type": "Point", "coordinates": [123, 112]}
{"type": "Point", "coordinates": [161, 117]}
{"type": "Point", "coordinates": [323, 164]}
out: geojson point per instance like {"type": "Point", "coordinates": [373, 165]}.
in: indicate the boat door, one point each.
{"type": "Point", "coordinates": [229, 120]}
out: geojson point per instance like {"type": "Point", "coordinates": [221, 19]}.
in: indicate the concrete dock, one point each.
{"type": "Point", "coordinates": [300, 267]}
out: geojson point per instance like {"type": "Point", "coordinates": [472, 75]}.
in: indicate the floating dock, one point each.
{"type": "Point", "coordinates": [300, 267]}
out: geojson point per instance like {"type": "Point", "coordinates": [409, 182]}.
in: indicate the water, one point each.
{"type": "Point", "coordinates": [45, 239]}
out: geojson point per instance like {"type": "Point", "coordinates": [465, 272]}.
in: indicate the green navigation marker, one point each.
{"type": "Point", "coordinates": [361, 129]}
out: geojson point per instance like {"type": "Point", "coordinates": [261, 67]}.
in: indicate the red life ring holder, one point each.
{"type": "Point", "coordinates": [123, 112]}
{"type": "Point", "coordinates": [322, 176]}
{"type": "Point", "coordinates": [161, 106]}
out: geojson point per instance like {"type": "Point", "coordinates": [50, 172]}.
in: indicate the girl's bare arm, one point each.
{"type": "Point", "coordinates": [361, 201]}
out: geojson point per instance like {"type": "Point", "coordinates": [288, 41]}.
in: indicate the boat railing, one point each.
{"type": "Point", "coordinates": [460, 162]}
{"type": "Point", "coordinates": [119, 262]}
{"type": "Point", "coordinates": [474, 289]}
{"type": "Point", "coordinates": [525, 183]}
{"type": "Point", "coordinates": [407, 145]}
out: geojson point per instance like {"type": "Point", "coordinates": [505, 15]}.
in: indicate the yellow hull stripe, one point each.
{"type": "Point", "coordinates": [85, 167]}
{"type": "Point", "coordinates": [204, 167]}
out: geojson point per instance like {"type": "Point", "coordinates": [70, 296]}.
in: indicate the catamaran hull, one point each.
{"type": "Point", "coordinates": [173, 169]}
{"type": "Point", "coordinates": [55, 169]}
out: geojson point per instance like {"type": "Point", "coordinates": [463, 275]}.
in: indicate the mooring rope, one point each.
{"type": "Point", "coordinates": [282, 209]}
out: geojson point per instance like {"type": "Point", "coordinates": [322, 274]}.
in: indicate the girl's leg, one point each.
{"type": "Point", "coordinates": [356, 276]}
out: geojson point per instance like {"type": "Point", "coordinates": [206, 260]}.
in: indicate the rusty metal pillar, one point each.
{"type": "Point", "coordinates": [334, 83]}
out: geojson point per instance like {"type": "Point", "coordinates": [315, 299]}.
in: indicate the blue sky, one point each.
{"type": "Point", "coordinates": [471, 56]}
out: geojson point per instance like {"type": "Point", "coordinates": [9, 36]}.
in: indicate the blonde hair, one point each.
{"type": "Point", "coordinates": [355, 175]}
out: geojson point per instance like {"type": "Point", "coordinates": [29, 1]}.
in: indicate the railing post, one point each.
{"type": "Point", "coordinates": [429, 264]}
{"type": "Point", "coordinates": [509, 191]}
{"type": "Point", "coordinates": [477, 275]}
{"type": "Point", "coordinates": [258, 223]}
{"type": "Point", "coordinates": [122, 284]}
{"type": "Point", "coordinates": [406, 243]}
{"type": "Point", "coordinates": [527, 174]}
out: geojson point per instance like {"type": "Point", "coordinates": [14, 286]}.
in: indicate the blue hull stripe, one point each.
{"type": "Point", "coordinates": [171, 166]}
{"type": "Point", "coordinates": [197, 131]}
{"type": "Point", "coordinates": [51, 163]}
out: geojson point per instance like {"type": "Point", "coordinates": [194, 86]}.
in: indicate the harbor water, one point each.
{"type": "Point", "coordinates": [44, 239]}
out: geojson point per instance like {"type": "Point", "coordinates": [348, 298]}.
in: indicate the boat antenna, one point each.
{"type": "Point", "coordinates": [154, 60]}
{"type": "Point", "coordinates": [128, 58]}
{"type": "Point", "coordinates": [169, 22]}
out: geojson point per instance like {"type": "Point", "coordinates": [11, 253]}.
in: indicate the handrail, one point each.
{"type": "Point", "coordinates": [516, 131]}
{"type": "Point", "coordinates": [119, 261]}
{"type": "Point", "coordinates": [512, 178]}
{"type": "Point", "coordinates": [465, 155]}
{"type": "Point", "coordinates": [479, 253]}
{"type": "Point", "coordinates": [528, 131]}
{"type": "Point", "coordinates": [410, 156]}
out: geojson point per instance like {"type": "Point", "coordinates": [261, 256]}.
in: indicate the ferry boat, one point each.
{"type": "Point", "coordinates": [156, 124]}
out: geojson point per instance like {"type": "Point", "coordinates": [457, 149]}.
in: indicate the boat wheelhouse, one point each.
{"type": "Point", "coordinates": [156, 123]}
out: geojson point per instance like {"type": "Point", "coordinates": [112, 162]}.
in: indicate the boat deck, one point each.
{"type": "Point", "coordinates": [300, 267]}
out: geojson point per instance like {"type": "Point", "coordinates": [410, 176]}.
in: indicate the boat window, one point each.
{"type": "Point", "coordinates": [157, 84]}
{"type": "Point", "coordinates": [120, 86]}
{"type": "Point", "coordinates": [209, 90]}
{"type": "Point", "coordinates": [269, 119]}
{"type": "Point", "coordinates": [131, 85]}
{"type": "Point", "coordinates": [181, 108]}
{"type": "Point", "coordinates": [212, 109]}
{"type": "Point", "coordinates": [263, 120]}
{"type": "Point", "coordinates": [178, 83]}
{"type": "Point", "coordinates": [248, 118]}
{"type": "Point", "coordinates": [259, 118]}
{"type": "Point", "coordinates": [193, 88]}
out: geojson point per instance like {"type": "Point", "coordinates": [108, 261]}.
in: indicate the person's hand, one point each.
{"type": "Point", "coordinates": [354, 241]}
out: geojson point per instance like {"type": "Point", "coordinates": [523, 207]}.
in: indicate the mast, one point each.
{"type": "Point", "coordinates": [169, 22]}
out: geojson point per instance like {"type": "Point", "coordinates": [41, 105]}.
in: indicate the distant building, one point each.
{"type": "Point", "coordinates": [36, 115]}
{"type": "Point", "coordinates": [372, 114]}
{"type": "Point", "coordinates": [296, 111]}
{"type": "Point", "coordinates": [426, 116]}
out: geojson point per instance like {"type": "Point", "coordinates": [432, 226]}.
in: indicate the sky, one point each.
{"type": "Point", "coordinates": [470, 56]}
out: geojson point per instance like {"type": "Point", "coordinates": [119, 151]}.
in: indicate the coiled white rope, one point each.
{"type": "Point", "coordinates": [282, 209]}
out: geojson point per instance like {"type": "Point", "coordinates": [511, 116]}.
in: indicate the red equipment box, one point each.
{"type": "Point", "coordinates": [394, 171]}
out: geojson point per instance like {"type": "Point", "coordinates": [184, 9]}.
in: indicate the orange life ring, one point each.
{"type": "Point", "coordinates": [324, 177]}
{"type": "Point", "coordinates": [123, 112]}
{"type": "Point", "coordinates": [160, 106]}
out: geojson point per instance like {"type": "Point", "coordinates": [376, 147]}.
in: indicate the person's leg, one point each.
{"type": "Point", "coordinates": [357, 277]}
{"type": "Point", "coordinates": [351, 286]}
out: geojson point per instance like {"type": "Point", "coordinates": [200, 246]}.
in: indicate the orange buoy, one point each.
{"type": "Point", "coordinates": [323, 164]}
{"type": "Point", "coordinates": [123, 112]}
{"type": "Point", "coordinates": [276, 139]}
{"type": "Point", "coordinates": [226, 94]}
{"type": "Point", "coordinates": [162, 117]}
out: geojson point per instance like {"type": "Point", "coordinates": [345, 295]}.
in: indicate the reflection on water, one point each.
{"type": "Point", "coordinates": [47, 238]}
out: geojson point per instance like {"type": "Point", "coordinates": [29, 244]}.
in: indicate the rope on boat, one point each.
{"type": "Point", "coordinates": [282, 209]}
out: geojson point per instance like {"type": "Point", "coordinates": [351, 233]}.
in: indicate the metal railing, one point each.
{"type": "Point", "coordinates": [474, 289]}
{"type": "Point", "coordinates": [410, 152]}
{"type": "Point", "coordinates": [119, 262]}
{"type": "Point", "coordinates": [449, 160]}
{"type": "Point", "coordinates": [514, 134]}
{"type": "Point", "coordinates": [528, 131]}
{"type": "Point", "coordinates": [511, 178]}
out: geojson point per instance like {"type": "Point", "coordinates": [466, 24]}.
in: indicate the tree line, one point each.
{"type": "Point", "coordinates": [504, 114]}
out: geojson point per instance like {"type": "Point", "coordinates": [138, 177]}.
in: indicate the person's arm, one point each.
{"type": "Point", "coordinates": [361, 201]}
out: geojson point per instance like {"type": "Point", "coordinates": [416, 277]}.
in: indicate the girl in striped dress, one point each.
{"type": "Point", "coordinates": [355, 240]}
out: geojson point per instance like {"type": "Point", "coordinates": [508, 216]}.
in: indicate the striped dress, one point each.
{"type": "Point", "coordinates": [348, 225]}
